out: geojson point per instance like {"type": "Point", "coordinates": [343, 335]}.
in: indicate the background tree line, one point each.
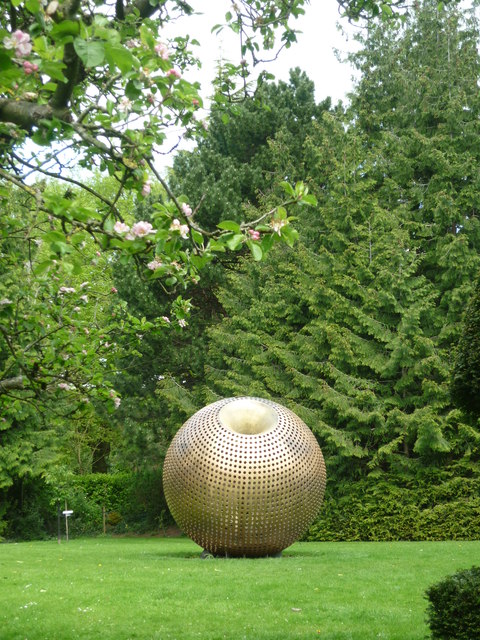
{"type": "Point", "coordinates": [354, 324]}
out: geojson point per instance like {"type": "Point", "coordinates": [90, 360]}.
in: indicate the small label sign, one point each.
{"type": "Point", "coordinates": [67, 512]}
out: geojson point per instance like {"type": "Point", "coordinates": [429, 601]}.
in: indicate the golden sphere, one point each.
{"type": "Point", "coordinates": [244, 477]}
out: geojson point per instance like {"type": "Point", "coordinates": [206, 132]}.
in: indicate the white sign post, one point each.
{"type": "Point", "coordinates": [67, 513]}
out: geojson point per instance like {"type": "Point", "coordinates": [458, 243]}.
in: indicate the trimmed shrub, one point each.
{"type": "Point", "coordinates": [454, 608]}
{"type": "Point", "coordinates": [383, 511]}
{"type": "Point", "coordinates": [134, 502]}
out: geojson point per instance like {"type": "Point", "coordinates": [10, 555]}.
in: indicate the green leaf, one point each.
{"type": "Point", "coordinates": [42, 267]}
{"type": "Point", "coordinates": [309, 199]}
{"type": "Point", "coordinates": [133, 90]}
{"type": "Point", "coordinates": [120, 57]}
{"type": "Point", "coordinates": [33, 6]}
{"type": "Point", "coordinates": [234, 242]}
{"type": "Point", "coordinates": [216, 245]}
{"type": "Point", "coordinates": [78, 238]}
{"type": "Point", "coordinates": [64, 29]}
{"type": "Point", "coordinates": [147, 37]}
{"type": "Point", "coordinates": [256, 250]}
{"type": "Point", "coordinates": [50, 86]}
{"type": "Point", "coordinates": [197, 237]}
{"type": "Point", "coordinates": [300, 189]}
{"type": "Point", "coordinates": [5, 61]}
{"type": "Point", "coordinates": [289, 234]}
{"type": "Point", "coordinates": [199, 261]}
{"type": "Point", "coordinates": [267, 242]}
{"type": "Point", "coordinates": [54, 236]}
{"type": "Point", "coordinates": [287, 187]}
{"type": "Point", "coordinates": [53, 69]}
{"type": "Point", "coordinates": [90, 52]}
{"type": "Point", "coordinates": [229, 225]}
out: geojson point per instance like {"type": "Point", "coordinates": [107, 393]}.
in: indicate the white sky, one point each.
{"type": "Point", "coordinates": [313, 53]}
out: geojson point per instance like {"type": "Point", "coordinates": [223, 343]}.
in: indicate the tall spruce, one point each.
{"type": "Point", "coordinates": [466, 375]}
{"type": "Point", "coordinates": [355, 329]}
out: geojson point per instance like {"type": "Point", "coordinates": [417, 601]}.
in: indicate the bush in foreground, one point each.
{"type": "Point", "coordinates": [454, 609]}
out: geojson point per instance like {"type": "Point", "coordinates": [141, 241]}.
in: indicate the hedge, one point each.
{"type": "Point", "coordinates": [392, 513]}
{"type": "Point", "coordinates": [133, 502]}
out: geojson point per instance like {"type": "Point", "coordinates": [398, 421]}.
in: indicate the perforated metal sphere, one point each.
{"type": "Point", "coordinates": [244, 477]}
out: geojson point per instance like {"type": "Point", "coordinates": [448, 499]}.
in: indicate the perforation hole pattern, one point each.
{"type": "Point", "coordinates": [239, 494]}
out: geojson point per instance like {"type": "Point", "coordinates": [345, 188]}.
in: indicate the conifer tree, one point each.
{"type": "Point", "coordinates": [466, 374]}
{"type": "Point", "coordinates": [354, 329]}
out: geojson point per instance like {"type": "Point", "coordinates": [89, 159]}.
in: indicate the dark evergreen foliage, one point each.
{"type": "Point", "coordinates": [454, 607]}
{"type": "Point", "coordinates": [466, 374]}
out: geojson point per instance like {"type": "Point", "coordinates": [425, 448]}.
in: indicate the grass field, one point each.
{"type": "Point", "coordinates": [158, 588]}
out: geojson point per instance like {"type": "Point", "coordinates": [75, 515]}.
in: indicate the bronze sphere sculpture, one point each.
{"type": "Point", "coordinates": [244, 477]}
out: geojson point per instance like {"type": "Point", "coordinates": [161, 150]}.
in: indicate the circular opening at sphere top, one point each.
{"type": "Point", "coordinates": [248, 416]}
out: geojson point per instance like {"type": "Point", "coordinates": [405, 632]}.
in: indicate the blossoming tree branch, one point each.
{"type": "Point", "coordinates": [95, 85]}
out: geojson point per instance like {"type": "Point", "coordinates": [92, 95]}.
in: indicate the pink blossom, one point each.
{"type": "Point", "coordinates": [162, 50]}
{"type": "Point", "coordinates": [116, 400]}
{"type": "Point", "coordinates": [29, 67]}
{"type": "Point", "coordinates": [155, 264]}
{"type": "Point", "coordinates": [66, 386]}
{"type": "Point", "coordinates": [121, 227]}
{"type": "Point", "coordinates": [174, 73]}
{"type": "Point", "coordinates": [181, 228]}
{"type": "Point", "coordinates": [66, 290]}
{"type": "Point", "coordinates": [195, 102]}
{"type": "Point", "coordinates": [182, 322]}
{"type": "Point", "coordinates": [255, 235]}
{"type": "Point", "coordinates": [187, 209]}
{"type": "Point", "coordinates": [142, 228]}
{"type": "Point", "coordinates": [19, 41]}
{"type": "Point", "coordinates": [147, 187]}
{"type": "Point", "coordinates": [113, 290]}
{"type": "Point", "coordinates": [166, 319]}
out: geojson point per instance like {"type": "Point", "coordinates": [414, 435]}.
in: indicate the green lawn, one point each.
{"type": "Point", "coordinates": [160, 588]}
